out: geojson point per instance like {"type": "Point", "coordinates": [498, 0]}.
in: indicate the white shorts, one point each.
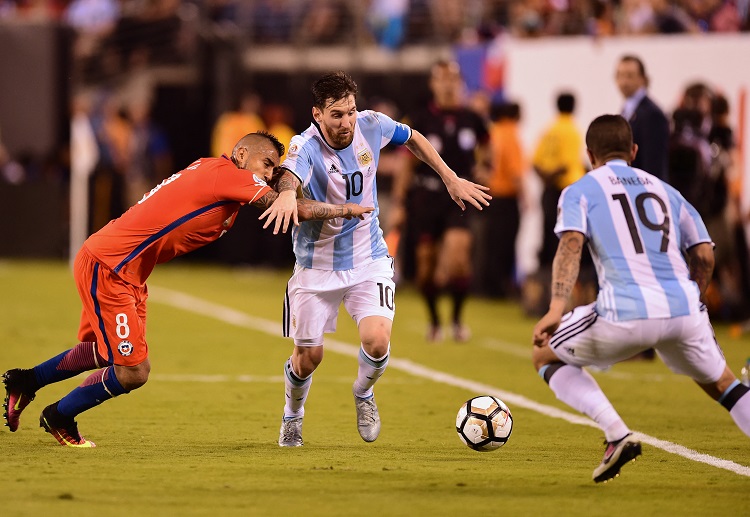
{"type": "Point", "coordinates": [686, 344]}
{"type": "Point", "coordinates": [313, 297]}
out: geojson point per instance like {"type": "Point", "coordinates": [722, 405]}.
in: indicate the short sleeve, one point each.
{"type": "Point", "coordinates": [571, 211]}
{"type": "Point", "coordinates": [393, 132]}
{"type": "Point", "coordinates": [692, 228]}
{"type": "Point", "coordinates": [298, 160]}
{"type": "Point", "coordinates": [239, 185]}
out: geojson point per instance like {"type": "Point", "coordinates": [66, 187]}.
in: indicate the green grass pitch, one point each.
{"type": "Point", "coordinates": [200, 437]}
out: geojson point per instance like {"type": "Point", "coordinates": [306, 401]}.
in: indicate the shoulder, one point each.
{"type": "Point", "coordinates": [647, 105]}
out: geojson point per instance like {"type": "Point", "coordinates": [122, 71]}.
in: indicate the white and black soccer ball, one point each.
{"type": "Point", "coordinates": [484, 423]}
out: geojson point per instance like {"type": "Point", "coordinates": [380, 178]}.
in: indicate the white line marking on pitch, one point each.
{"type": "Point", "coordinates": [228, 315]}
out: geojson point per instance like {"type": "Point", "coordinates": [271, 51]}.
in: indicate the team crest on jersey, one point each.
{"type": "Point", "coordinates": [293, 150]}
{"type": "Point", "coordinates": [258, 181]}
{"type": "Point", "coordinates": [364, 157]}
{"type": "Point", "coordinates": [125, 348]}
{"type": "Point", "coordinates": [294, 322]}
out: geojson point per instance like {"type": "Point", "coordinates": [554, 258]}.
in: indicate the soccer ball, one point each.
{"type": "Point", "coordinates": [484, 423]}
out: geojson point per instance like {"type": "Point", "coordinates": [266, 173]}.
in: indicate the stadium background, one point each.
{"type": "Point", "coordinates": [192, 61]}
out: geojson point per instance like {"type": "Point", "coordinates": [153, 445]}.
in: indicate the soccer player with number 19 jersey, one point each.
{"type": "Point", "coordinates": [336, 160]}
{"type": "Point", "coordinates": [186, 211]}
{"type": "Point", "coordinates": [637, 228]}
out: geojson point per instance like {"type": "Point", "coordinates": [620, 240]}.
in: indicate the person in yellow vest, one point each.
{"type": "Point", "coordinates": [558, 161]}
{"type": "Point", "coordinates": [233, 125]}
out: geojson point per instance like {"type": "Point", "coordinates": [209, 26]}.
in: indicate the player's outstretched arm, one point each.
{"type": "Point", "coordinates": [283, 209]}
{"type": "Point", "coordinates": [701, 264]}
{"type": "Point", "coordinates": [565, 269]}
{"type": "Point", "coordinates": [460, 189]}
{"type": "Point", "coordinates": [309, 210]}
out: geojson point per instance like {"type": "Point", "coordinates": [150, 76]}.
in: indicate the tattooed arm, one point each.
{"type": "Point", "coordinates": [310, 210]}
{"type": "Point", "coordinates": [283, 207]}
{"type": "Point", "coordinates": [565, 269]}
{"type": "Point", "coordinates": [701, 263]}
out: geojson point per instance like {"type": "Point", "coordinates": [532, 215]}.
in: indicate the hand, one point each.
{"type": "Point", "coordinates": [461, 190]}
{"type": "Point", "coordinates": [283, 210]}
{"type": "Point", "coordinates": [352, 210]}
{"type": "Point", "coordinates": [546, 326]}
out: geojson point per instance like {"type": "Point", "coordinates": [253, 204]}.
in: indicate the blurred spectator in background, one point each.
{"type": "Point", "coordinates": [502, 218]}
{"type": "Point", "coordinates": [150, 159]}
{"type": "Point", "coordinates": [558, 161]}
{"type": "Point", "coordinates": [278, 120]}
{"type": "Point", "coordinates": [93, 21]}
{"type": "Point", "coordinates": [722, 140]}
{"type": "Point", "coordinates": [714, 15]}
{"type": "Point", "coordinates": [387, 22]}
{"type": "Point", "coordinates": [689, 156]}
{"type": "Point", "coordinates": [441, 228]}
{"type": "Point", "coordinates": [325, 22]}
{"type": "Point", "coordinates": [671, 18]}
{"type": "Point", "coordinates": [705, 161]}
{"type": "Point", "coordinates": [636, 17]}
{"type": "Point", "coordinates": [649, 124]}
{"type": "Point", "coordinates": [233, 125]}
{"type": "Point", "coordinates": [270, 21]}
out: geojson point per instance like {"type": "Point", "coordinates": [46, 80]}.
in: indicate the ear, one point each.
{"type": "Point", "coordinates": [317, 114]}
{"type": "Point", "coordinates": [633, 152]}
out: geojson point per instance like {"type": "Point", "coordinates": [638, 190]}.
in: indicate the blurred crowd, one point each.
{"type": "Point", "coordinates": [390, 23]}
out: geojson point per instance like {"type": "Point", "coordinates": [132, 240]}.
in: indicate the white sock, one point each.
{"type": "Point", "coordinates": [370, 370]}
{"type": "Point", "coordinates": [740, 411]}
{"type": "Point", "coordinates": [578, 389]}
{"type": "Point", "coordinates": [295, 391]}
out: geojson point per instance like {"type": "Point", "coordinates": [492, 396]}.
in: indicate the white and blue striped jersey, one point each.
{"type": "Point", "coordinates": [342, 176]}
{"type": "Point", "coordinates": [638, 228]}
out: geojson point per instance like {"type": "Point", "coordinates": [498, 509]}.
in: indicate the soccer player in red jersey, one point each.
{"type": "Point", "coordinates": [184, 212]}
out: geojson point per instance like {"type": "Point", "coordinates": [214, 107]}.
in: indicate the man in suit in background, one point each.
{"type": "Point", "coordinates": [648, 122]}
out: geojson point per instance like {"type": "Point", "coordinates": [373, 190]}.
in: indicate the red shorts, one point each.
{"type": "Point", "coordinates": [114, 312]}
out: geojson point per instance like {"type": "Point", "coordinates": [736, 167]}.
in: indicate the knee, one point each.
{"type": "Point", "coordinates": [541, 356]}
{"type": "Point", "coordinates": [377, 346]}
{"type": "Point", "coordinates": [133, 377]}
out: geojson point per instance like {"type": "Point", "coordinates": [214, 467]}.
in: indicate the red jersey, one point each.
{"type": "Point", "coordinates": [185, 211]}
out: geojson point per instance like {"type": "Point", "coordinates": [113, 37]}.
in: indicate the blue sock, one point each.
{"type": "Point", "coordinates": [81, 358]}
{"type": "Point", "coordinates": [100, 386]}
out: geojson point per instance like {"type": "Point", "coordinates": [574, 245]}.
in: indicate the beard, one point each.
{"type": "Point", "coordinates": [337, 139]}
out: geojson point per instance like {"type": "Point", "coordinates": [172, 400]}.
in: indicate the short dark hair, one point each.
{"type": "Point", "coordinates": [608, 135]}
{"type": "Point", "coordinates": [275, 141]}
{"type": "Point", "coordinates": [332, 87]}
{"type": "Point", "coordinates": [250, 138]}
{"type": "Point", "coordinates": [566, 102]}
{"type": "Point", "coordinates": [506, 111]}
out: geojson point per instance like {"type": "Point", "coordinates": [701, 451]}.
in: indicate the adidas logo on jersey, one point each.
{"type": "Point", "coordinates": [334, 169]}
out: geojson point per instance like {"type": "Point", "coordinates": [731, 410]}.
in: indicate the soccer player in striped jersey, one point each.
{"type": "Point", "coordinates": [186, 211]}
{"type": "Point", "coordinates": [637, 228]}
{"type": "Point", "coordinates": [336, 160]}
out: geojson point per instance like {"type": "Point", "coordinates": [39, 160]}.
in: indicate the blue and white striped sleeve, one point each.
{"type": "Point", "coordinates": [692, 228]}
{"type": "Point", "coordinates": [298, 160]}
{"type": "Point", "coordinates": [393, 132]}
{"type": "Point", "coordinates": [571, 211]}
